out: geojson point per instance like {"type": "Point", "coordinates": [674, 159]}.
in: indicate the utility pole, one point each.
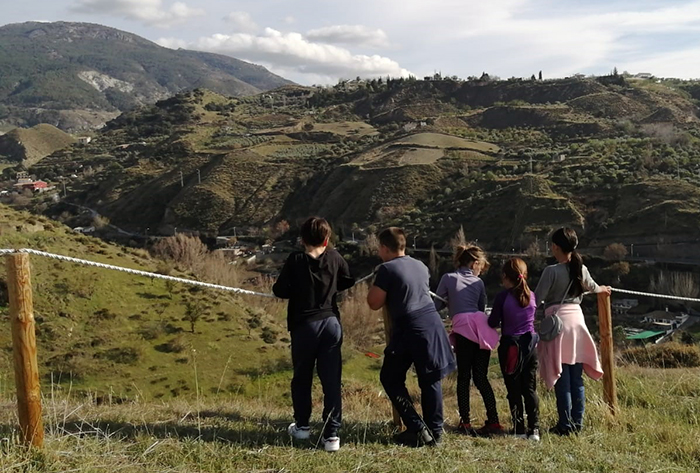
{"type": "Point", "coordinates": [182, 180]}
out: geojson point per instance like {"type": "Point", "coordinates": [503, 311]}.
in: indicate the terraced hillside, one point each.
{"type": "Point", "coordinates": [509, 160]}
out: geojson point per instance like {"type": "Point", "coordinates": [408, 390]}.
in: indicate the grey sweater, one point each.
{"type": "Point", "coordinates": [554, 282]}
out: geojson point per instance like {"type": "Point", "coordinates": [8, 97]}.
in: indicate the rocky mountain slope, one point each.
{"type": "Point", "coordinates": [80, 75]}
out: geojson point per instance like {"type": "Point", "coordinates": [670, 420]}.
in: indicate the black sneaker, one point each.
{"type": "Point", "coordinates": [561, 431]}
{"type": "Point", "coordinates": [413, 439]}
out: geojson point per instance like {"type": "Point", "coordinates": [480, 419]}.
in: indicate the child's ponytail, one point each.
{"type": "Point", "coordinates": [515, 270]}
{"type": "Point", "coordinates": [567, 240]}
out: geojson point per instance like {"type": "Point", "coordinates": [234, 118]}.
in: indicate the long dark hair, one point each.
{"type": "Point", "coordinates": [515, 270]}
{"type": "Point", "coordinates": [566, 239]}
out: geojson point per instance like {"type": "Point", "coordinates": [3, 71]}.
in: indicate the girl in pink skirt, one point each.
{"type": "Point", "coordinates": [471, 336]}
{"type": "Point", "coordinates": [573, 352]}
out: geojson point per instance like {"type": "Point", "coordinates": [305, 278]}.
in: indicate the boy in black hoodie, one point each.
{"type": "Point", "coordinates": [311, 281]}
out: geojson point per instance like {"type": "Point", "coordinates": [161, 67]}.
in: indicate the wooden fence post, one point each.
{"type": "Point", "coordinates": [24, 350]}
{"type": "Point", "coordinates": [387, 335]}
{"type": "Point", "coordinates": [606, 351]}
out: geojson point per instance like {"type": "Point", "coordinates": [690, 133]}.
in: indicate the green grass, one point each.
{"type": "Point", "coordinates": [106, 332]}
{"type": "Point", "coordinates": [656, 430]}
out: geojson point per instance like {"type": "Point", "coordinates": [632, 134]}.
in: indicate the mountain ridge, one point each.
{"type": "Point", "coordinates": [80, 75]}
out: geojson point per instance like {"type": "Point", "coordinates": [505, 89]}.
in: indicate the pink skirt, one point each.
{"type": "Point", "coordinates": [573, 345]}
{"type": "Point", "coordinates": [474, 326]}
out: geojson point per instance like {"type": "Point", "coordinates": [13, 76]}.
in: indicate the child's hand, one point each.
{"type": "Point", "coordinates": [605, 289]}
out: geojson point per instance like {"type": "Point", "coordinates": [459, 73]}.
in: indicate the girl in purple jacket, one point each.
{"type": "Point", "coordinates": [514, 311]}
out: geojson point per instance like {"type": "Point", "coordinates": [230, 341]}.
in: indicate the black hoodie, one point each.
{"type": "Point", "coordinates": [311, 285]}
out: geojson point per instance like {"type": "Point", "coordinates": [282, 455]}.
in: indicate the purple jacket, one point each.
{"type": "Point", "coordinates": [513, 319]}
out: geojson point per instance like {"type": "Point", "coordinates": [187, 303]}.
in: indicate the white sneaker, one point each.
{"type": "Point", "coordinates": [299, 433]}
{"type": "Point", "coordinates": [534, 436]}
{"type": "Point", "coordinates": [521, 436]}
{"type": "Point", "coordinates": [331, 444]}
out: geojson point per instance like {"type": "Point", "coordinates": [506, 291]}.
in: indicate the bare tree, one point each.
{"type": "Point", "coordinates": [370, 246]}
{"type": "Point", "coordinates": [434, 263]}
{"type": "Point", "coordinates": [100, 222]}
{"type": "Point", "coordinates": [186, 251]}
{"type": "Point", "coordinates": [681, 284]}
{"type": "Point", "coordinates": [615, 252]}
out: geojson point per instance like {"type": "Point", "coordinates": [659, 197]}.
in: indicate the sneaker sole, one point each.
{"type": "Point", "coordinates": [331, 448]}
{"type": "Point", "coordinates": [298, 434]}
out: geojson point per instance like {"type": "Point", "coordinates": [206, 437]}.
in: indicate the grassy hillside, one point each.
{"type": "Point", "coordinates": [28, 146]}
{"type": "Point", "coordinates": [115, 334]}
{"type": "Point", "coordinates": [77, 75]}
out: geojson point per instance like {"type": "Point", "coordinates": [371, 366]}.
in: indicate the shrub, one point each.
{"type": "Point", "coordinates": [176, 345]}
{"type": "Point", "coordinates": [667, 355]}
{"type": "Point", "coordinates": [122, 355]}
{"type": "Point", "coordinates": [268, 335]}
{"type": "Point", "coordinates": [105, 314]}
{"type": "Point", "coordinates": [153, 330]}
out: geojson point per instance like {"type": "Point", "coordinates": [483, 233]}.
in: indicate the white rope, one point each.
{"type": "Point", "coordinates": [658, 296]}
{"type": "Point", "coordinates": [374, 272]}
{"type": "Point", "coordinates": [135, 271]}
{"type": "Point", "coordinates": [4, 251]}
{"type": "Point", "coordinates": [360, 281]}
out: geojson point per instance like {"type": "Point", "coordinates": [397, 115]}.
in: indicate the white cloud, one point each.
{"type": "Point", "coordinates": [149, 12]}
{"type": "Point", "coordinates": [350, 35]}
{"type": "Point", "coordinates": [293, 52]}
{"type": "Point", "coordinates": [290, 20]}
{"type": "Point", "coordinates": [241, 22]}
{"type": "Point", "coordinates": [681, 63]}
{"type": "Point", "coordinates": [172, 43]}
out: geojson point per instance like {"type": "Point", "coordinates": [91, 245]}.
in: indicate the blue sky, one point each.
{"type": "Point", "coordinates": [319, 41]}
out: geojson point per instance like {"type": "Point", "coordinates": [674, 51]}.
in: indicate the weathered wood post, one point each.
{"type": "Point", "coordinates": [24, 349]}
{"type": "Point", "coordinates": [387, 335]}
{"type": "Point", "coordinates": [606, 351]}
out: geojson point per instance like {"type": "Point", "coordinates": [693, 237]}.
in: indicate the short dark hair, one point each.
{"type": "Point", "coordinates": [315, 231]}
{"type": "Point", "coordinates": [393, 238]}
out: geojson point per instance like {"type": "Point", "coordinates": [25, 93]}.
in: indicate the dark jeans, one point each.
{"type": "Point", "coordinates": [393, 378]}
{"type": "Point", "coordinates": [523, 386]}
{"type": "Point", "coordinates": [317, 344]}
{"type": "Point", "coordinates": [472, 361]}
{"type": "Point", "coordinates": [571, 397]}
